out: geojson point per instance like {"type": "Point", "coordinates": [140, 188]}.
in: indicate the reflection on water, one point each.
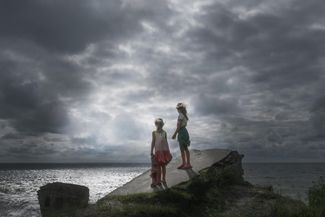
{"type": "Point", "coordinates": [18, 187]}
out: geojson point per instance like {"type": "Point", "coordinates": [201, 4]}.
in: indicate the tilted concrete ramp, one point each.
{"type": "Point", "coordinates": [200, 159]}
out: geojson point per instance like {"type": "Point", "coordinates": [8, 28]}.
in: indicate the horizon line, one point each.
{"type": "Point", "coordinates": [148, 162]}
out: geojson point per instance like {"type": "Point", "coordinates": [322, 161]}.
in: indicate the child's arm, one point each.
{"type": "Point", "coordinates": [177, 129]}
{"type": "Point", "coordinates": [166, 137]}
{"type": "Point", "coordinates": [152, 142]}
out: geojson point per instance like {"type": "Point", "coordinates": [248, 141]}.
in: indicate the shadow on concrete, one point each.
{"type": "Point", "coordinates": [165, 186]}
{"type": "Point", "coordinates": [161, 187]}
{"type": "Point", "coordinates": [191, 173]}
{"type": "Point", "coordinates": [157, 188]}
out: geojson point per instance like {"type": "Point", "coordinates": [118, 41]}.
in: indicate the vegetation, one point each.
{"type": "Point", "coordinates": [212, 197]}
{"type": "Point", "coordinates": [211, 194]}
{"type": "Point", "coordinates": [316, 198]}
{"type": "Point", "coordinates": [315, 208]}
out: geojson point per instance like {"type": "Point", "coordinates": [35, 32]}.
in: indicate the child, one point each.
{"type": "Point", "coordinates": [154, 172]}
{"type": "Point", "coordinates": [183, 136]}
{"type": "Point", "coordinates": [162, 154]}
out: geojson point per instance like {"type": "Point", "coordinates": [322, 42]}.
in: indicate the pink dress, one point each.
{"type": "Point", "coordinates": [162, 153]}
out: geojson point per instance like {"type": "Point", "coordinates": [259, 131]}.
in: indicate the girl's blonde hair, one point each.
{"type": "Point", "coordinates": [182, 108]}
{"type": "Point", "coordinates": [159, 121]}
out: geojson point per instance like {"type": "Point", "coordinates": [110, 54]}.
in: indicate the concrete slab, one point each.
{"type": "Point", "coordinates": [200, 159]}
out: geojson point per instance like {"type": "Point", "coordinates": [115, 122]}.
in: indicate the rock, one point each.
{"type": "Point", "coordinates": [228, 170]}
{"type": "Point", "coordinates": [57, 199]}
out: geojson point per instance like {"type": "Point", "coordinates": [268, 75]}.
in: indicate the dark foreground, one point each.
{"type": "Point", "coordinates": [209, 195]}
{"type": "Point", "coordinates": [217, 191]}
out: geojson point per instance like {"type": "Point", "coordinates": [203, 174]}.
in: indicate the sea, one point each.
{"type": "Point", "coordinates": [19, 182]}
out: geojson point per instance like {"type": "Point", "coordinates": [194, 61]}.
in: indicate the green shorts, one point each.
{"type": "Point", "coordinates": [183, 139]}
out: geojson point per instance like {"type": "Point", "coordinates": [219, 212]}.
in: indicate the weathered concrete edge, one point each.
{"type": "Point", "coordinates": [193, 150]}
{"type": "Point", "coordinates": [219, 163]}
{"type": "Point", "coordinates": [112, 192]}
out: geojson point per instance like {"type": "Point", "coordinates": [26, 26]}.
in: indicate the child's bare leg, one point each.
{"type": "Point", "coordinates": [158, 175]}
{"type": "Point", "coordinates": [183, 157]}
{"type": "Point", "coordinates": [188, 156]}
{"type": "Point", "coordinates": [163, 170]}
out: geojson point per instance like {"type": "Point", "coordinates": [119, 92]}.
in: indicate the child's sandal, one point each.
{"type": "Point", "coordinates": [181, 166]}
{"type": "Point", "coordinates": [188, 166]}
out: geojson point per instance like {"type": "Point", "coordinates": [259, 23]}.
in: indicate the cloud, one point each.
{"type": "Point", "coordinates": [318, 118]}
{"type": "Point", "coordinates": [87, 80]}
{"type": "Point", "coordinates": [27, 104]}
{"type": "Point", "coordinates": [69, 27]}
{"type": "Point", "coordinates": [216, 105]}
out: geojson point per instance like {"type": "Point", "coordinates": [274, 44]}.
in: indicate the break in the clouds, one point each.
{"type": "Point", "coordinates": [83, 81]}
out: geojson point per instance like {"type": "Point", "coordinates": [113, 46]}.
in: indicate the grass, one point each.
{"type": "Point", "coordinates": [316, 198]}
{"type": "Point", "coordinates": [315, 208]}
{"type": "Point", "coordinates": [288, 208]}
{"type": "Point", "coordinates": [188, 199]}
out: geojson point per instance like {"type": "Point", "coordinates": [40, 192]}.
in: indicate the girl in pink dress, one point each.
{"type": "Point", "coordinates": [162, 154]}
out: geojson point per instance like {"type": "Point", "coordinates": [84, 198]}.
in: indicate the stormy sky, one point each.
{"type": "Point", "coordinates": [83, 81]}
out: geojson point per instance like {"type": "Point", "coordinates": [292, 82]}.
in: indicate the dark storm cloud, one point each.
{"type": "Point", "coordinates": [69, 26]}
{"type": "Point", "coordinates": [34, 79]}
{"type": "Point", "coordinates": [27, 103]}
{"type": "Point", "coordinates": [278, 51]}
{"type": "Point", "coordinates": [281, 49]}
{"type": "Point", "coordinates": [95, 73]}
{"type": "Point", "coordinates": [318, 118]}
{"type": "Point", "coordinates": [207, 104]}
{"type": "Point", "coordinates": [64, 26]}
